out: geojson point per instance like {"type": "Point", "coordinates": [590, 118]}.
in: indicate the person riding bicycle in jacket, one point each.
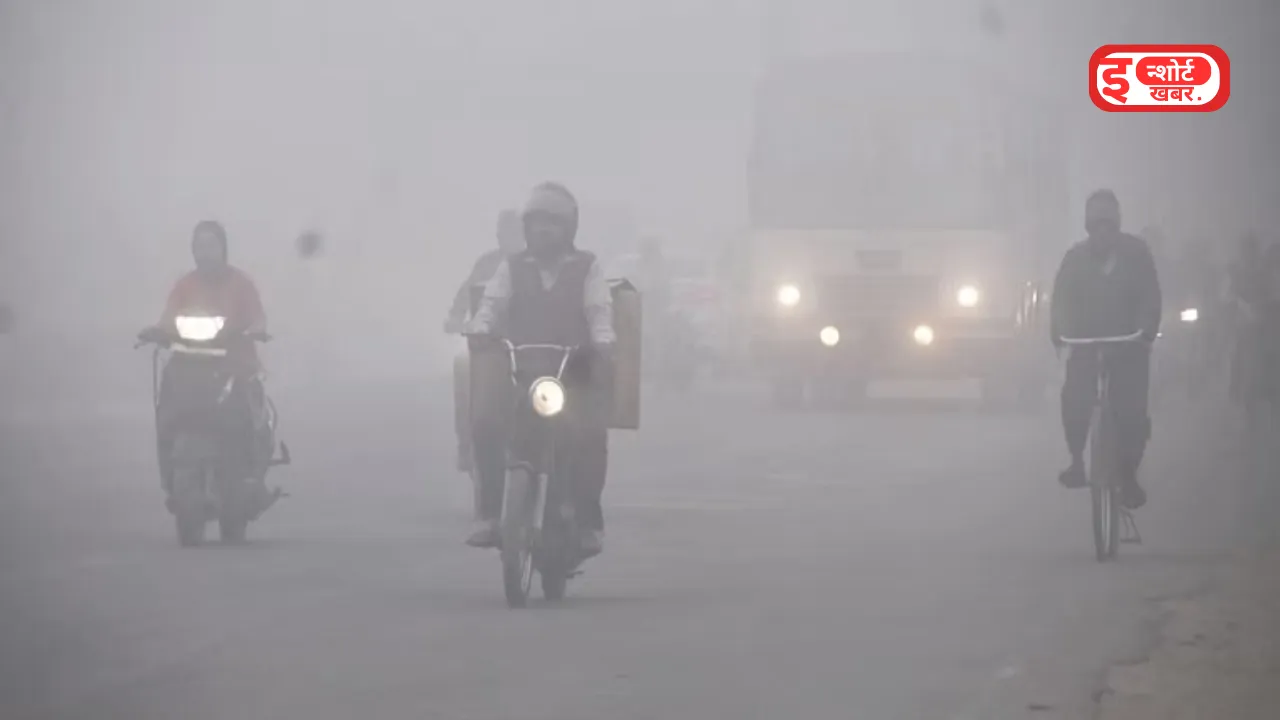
{"type": "Point", "coordinates": [554, 293]}
{"type": "Point", "coordinates": [1107, 286]}
{"type": "Point", "coordinates": [510, 241]}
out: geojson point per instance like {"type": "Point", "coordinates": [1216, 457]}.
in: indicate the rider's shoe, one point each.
{"type": "Point", "coordinates": [1131, 493]}
{"type": "Point", "coordinates": [591, 543]}
{"type": "Point", "coordinates": [1074, 476]}
{"type": "Point", "coordinates": [485, 534]}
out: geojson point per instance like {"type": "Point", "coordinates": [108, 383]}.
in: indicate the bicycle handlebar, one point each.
{"type": "Point", "coordinates": [1115, 340]}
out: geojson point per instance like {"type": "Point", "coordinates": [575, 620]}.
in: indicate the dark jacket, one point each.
{"type": "Point", "coordinates": [1096, 295]}
{"type": "Point", "coordinates": [555, 314]}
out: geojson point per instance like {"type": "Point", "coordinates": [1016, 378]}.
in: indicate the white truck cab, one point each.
{"type": "Point", "coordinates": [902, 206]}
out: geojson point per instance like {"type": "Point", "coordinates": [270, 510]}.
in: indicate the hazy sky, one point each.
{"type": "Point", "coordinates": [400, 127]}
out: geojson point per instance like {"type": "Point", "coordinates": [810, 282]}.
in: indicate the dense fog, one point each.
{"type": "Point", "coordinates": [398, 129]}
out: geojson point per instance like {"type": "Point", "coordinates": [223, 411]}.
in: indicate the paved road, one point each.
{"type": "Point", "coordinates": [912, 565]}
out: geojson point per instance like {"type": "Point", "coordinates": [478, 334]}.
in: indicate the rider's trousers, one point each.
{"type": "Point", "coordinates": [1129, 367]}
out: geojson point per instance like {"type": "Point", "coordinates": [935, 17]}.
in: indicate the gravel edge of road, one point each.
{"type": "Point", "coordinates": [1217, 652]}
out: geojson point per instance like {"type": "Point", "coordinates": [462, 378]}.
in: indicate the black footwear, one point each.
{"type": "Point", "coordinates": [1074, 476]}
{"type": "Point", "coordinates": [1131, 493]}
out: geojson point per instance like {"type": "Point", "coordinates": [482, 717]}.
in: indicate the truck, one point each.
{"type": "Point", "coordinates": [904, 211]}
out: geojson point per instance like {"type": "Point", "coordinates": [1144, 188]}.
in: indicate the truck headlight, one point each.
{"type": "Point", "coordinates": [968, 296]}
{"type": "Point", "coordinates": [1190, 315]}
{"type": "Point", "coordinates": [547, 396]}
{"type": "Point", "coordinates": [788, 296]}
{"type": "Point", "coordinates": [830, 336]}
{"type": "Point", "coordinates": [923, 335]}
{"type": "Point", "coordinates": [198, 328]}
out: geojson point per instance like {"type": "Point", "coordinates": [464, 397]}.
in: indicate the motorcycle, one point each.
{"type": "Point", "coordinates": [221, 429]}
{"type": "Point", "coordinates": [538, 531]}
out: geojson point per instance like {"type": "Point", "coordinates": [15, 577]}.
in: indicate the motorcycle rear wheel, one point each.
{"type": "Point", "coordinates": [188, 506]}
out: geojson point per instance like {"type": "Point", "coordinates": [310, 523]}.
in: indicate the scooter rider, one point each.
{"type": "Point", "coordinates": [217, 287]}
{"type": "Point", "coordinates": [554, 293]}
{"type": "Point", "coordinates": [1107, 286]}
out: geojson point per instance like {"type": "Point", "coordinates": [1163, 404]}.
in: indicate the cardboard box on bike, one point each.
{"type": "Point", "coordinates": [627, 323]}
{"type": "Point", "coordinates": [485, 385]}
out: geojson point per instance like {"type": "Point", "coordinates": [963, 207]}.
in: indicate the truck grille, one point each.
{"type": "Point", "coordinates": [878, 295]}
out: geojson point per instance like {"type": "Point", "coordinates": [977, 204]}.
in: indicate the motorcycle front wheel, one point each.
{"type": "Point", "coordinates": [517, 558]}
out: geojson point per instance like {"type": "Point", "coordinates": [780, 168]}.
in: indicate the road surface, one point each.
{"type": "Point", "coordinates": [913, 564]}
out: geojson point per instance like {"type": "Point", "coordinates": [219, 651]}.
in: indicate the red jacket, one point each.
{"type": "Point", "coordinates": [232, 296]}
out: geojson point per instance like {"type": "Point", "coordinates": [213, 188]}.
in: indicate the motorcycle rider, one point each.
{"type": "Point", "coordinates": [217, 288]}
{"type": "Point", "coordinates": [553, 292]}
{"type": "Point", "coordinates": [510, 241]}
{"type": "Point", "coordinates": [510, 237]}
{"type": "Point", "coordinates": [1107, 286]}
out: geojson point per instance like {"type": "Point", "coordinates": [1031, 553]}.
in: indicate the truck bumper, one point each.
{"type": "Point", "coordinates": [869, 350]}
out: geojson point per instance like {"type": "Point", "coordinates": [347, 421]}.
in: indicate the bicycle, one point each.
{"type": "Point", "coordinates": [1113, 523]}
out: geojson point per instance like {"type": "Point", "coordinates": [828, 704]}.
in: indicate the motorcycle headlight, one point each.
{"type": "Point", "coordinates": [547, 396]}
{"type": "Point", "coordinates": [923, 335]}
{"type": "Point", "coordinates": [788, 296]}
{"type": "Point", "coordinates": [968, 296]}
{"type": "Point", "coordinates": [1190, 315]}
{"type": "Point", "coordinates": [198, 328]}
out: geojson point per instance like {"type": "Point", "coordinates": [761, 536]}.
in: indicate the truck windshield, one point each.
{"type": "Point", "coordinates": [843, 157]}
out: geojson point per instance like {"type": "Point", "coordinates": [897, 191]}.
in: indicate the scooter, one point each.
{"type": "Point", "coordinates": [220, 429]}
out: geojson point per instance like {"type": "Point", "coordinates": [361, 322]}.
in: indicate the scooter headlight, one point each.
{"type": "Point", "coordinates": [547, 396]}
{"type": "Point", "coordinates": [198, 328]}
{"type": "Point", "coordinates": [1190, 315]}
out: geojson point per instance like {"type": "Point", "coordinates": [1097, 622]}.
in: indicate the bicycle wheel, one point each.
{"type": "Point", "coordinates": [1106, 509]}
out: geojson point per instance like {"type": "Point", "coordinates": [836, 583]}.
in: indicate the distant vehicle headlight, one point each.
{"type": "Point", "coordinates": [923, 335]}
{"type": "Point", "coordinates": [1190, 315]}
{"type": "Point", "coordinates": [968, 296]}
{"type": "Point", "coordinates": [547, 396]}
{"type": "Point", "coordinates": [830, 336]}
{"type": "Point", "coordinates": [198, 328]}
{"type": "Point", "coordinates": [788, 296]}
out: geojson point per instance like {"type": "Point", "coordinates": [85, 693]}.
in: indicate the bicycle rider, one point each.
{"type": "Point", "coordinates": [1107, 286]}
